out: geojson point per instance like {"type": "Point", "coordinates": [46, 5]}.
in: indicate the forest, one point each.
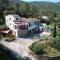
{"type": "Point", "coordinates": [30, 9]}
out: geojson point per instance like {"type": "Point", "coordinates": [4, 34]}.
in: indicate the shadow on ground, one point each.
{"type": "Point", "coordinates": [7, 54]}
{"type": "Point", "coordinates": [31, 36]}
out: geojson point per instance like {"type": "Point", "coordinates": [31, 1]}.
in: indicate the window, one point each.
{"type": "Point", "coordinates": [17, 18]}
{"type": "Point", "coordinates": [9, 18]}
{"type": "Point", "coordinates": [23, 27]}
{"type": "Point", "coordinates": [10, 23]}
{"type": "Point", "coordinates": [29, 24]}
{"type": "Point", "coordinates": [26, 27]}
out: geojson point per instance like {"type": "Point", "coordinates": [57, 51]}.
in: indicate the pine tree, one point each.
{"type": "Point", "coordinates": [54, 31]}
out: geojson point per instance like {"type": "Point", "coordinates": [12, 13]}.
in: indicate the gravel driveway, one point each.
{"type": "Point", "coordinates": [20, 45]}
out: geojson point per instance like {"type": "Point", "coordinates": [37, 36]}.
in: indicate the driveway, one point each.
{"type": "Point", "coordinates": [20, 45]}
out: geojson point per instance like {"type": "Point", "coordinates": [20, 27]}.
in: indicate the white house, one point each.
{"type": "Point", "coordinates": [15, 23]}
{"type": "Point", "coordinates": [21, 26]}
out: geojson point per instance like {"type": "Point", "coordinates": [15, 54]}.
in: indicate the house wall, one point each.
{"type": "Point", "coordinates": [9, 20]}
{"type": "Point", "coordinates": [21, 33]}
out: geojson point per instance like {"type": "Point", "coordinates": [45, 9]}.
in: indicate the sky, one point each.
{"type": "Point", "coordinates": [43, 0]}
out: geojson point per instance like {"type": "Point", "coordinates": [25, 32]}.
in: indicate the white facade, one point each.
{"type": "Point", "coordinates": [10, 20]}
{"type": "Point", "coordinates": [20, 26]}
{"type": "Point", "coordinates": [14, 23]}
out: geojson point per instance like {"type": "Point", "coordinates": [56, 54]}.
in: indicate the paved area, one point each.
{"type": "Point", "coordinates": [20, 46]}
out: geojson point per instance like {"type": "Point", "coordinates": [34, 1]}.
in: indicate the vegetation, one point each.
{"type": "Point", "coordinates": [7, 36]}
{"type": "Point", "coordinates": [56, 43]}
{"type": "Point", "coordinates": [49, 46]}
{"type": "Point", "coordinates": [10, 38]}
{"type": "Point", "coordinates": [29, 9]}
{"type": "Point", "coordinates": [37, 49]}
{"type": "Point", "coordinates": [54, 31]}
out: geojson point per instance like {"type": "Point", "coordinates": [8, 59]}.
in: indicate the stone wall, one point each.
{"type": "Point", "coordinates": [46, 58]}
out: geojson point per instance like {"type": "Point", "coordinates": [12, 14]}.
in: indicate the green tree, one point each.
{"type": "Point", "coordinates": [17, 9]}
{"type": "Point", "coordinates": [56, 43]}
{"type": "Point", "coordinates": [3, 7]}
{"type": "Point", "coordinates": [54, 31]}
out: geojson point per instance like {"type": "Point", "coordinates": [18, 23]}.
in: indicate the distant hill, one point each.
{"type": "Point", "coordinates": [38, 3]}
{"type": "Point", "coordinates": [46, 5]}
{"type": "Point", "coordinates": [41, 3]}
{"type": "Point", "coordinates": [15, 1]}
{"type": "Point", "coordinates": [12, 2]}
{"type": "Point", "coordinates": [50, 6]}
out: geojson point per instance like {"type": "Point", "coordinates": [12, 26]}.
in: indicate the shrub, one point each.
{"type": "Point", "coordinates": [0, 37]}
{"type": "Point", "coordinates": [58, 32]}
{"type": "Point", "coordinates": [10, 38]}
{"type": "Point", "coordinates": [37, 49]}
{"type": "Point", "coordinates": [56, 43]}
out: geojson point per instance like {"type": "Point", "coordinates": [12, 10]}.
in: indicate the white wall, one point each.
{"type": "Point", "coordinates": [9, 20]}
{"type": "Point", "coordinates": [10, 24]}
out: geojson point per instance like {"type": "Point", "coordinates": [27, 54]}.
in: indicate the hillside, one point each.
{"type": "Point", "coordinates": [50, 6]}
{"type": "Point", "coordinates": [47, 5]}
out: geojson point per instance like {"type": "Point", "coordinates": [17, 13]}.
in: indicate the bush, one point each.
{"type": "Point", "coordinates": [56, 43]}
{"type": "Point", "coordinates": [37, 49]}
{"type": "Point", "coordinates": [10, 38]}
{"type": "Point", "coordinates": [58, 32]}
